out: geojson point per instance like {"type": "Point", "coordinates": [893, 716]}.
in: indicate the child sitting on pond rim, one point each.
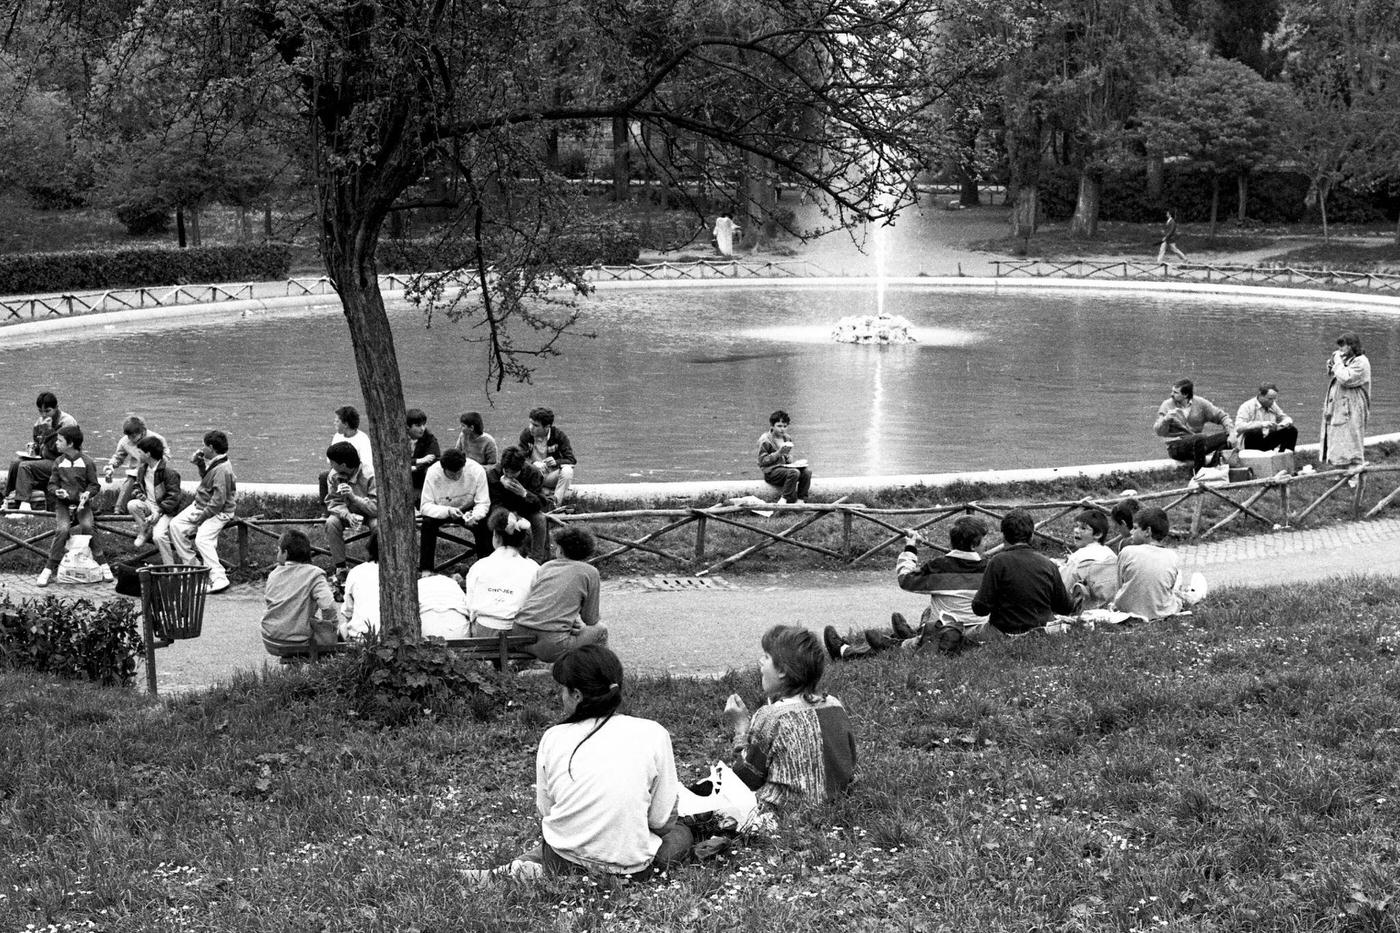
{"type": "Point", "coordinates": [605, 783]}
{"type": "Point", "coordinates": [791, 476]}
{"type": "Point", "coordinates": [72, 484]}
{"type": "Point", "coordinates": [798, 747]}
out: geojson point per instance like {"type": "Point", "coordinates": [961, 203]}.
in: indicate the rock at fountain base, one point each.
{"type": "Point", "coordinates": [883, 329]}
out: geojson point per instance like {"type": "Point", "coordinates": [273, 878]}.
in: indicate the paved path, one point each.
{"type": "Point", "coordinates": [706, 632]}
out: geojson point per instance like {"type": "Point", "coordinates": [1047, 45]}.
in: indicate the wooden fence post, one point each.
{"type": "Point", "coordinates": [1356, 496]}
{"type": "Point", "coordinates": [242, 544]}
{"type": "Point", "coordinates": [1196, 512]}
{"type": "Point", "coordinates": [1283, 505]}
{"type": "Point", "coordinates": [701, 522]}
{"type": "Point", "coordinates": [846, 533]}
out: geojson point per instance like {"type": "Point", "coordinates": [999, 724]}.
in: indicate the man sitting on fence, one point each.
{"type": "Point", "coordinates": [548, 448]}
{"type": "Point", "coordinates": [1021, 590]}
{"type": "Point", "coordinates": [475, 442]}
{"type": "Point", "coordinates": [516, 486]}
{"type": "Point", "coordinates": [562, 608]}
{"type": "Point", "coordinates": [1262, 425]}
{"type": "Point", "coordinates": [198, 526]}
{"type": "Point", "coordinates": [157, 498]}
{"type": "Point", "coordinates": [1181, 422]}
{"type": "Point", "coordinates": [127, 459]}
{"type": "Point", "coordinates": [298, 606]}
{"type": "Point", "coordinates": [28, 476]}
{"type": "Point", "coordinates": [347, 428]}
{"type": "Point", "coordinates": [950, 579]}
{"type": "Point", "coordinates": [352, 502]}
{"type": "Point", "coordinates": [454, 493]}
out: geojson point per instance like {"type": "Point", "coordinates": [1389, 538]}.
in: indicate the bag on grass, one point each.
{"type": "Point", "coordinates": [77, 565]}
{"type": "Point", "coordinates": [722, 798]}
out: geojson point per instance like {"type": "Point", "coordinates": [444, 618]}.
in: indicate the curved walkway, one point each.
{"type": "Point", "coordinates": [705, 632]}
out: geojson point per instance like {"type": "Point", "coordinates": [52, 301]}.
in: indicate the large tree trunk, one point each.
{"type": "Point", "coordinates": [1214, 202]}
{"type": "Point", "coordinates": [180, 227]}
{"type": "Point", "coordinates": [1242, 191]}
{"type": "Point", "coordinates": [1156, 178]}
{"type": "Point", "coordinates": [762, 200]}
{"type": "Point", "coordinates": [621, 164]}
{"type": "Point", "coordinates": [1085, 222]}
{"type": "Point", "coordinates": [1024, 210]}
{"type": "Point", "coordinates": [349, 238]}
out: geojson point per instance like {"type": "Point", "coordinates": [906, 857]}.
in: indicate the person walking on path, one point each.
{"type": "Point", "coordinates": [1169, 240]}
{"type": "Point", "coordinates": [1348, 403]}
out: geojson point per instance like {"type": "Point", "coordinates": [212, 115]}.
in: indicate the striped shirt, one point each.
{"type": "Point", "coordinates": [797, 752]}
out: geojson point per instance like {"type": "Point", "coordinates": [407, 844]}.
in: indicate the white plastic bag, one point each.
{"type": "Point", "coordinates": [77, 565]}
{"type": "Point", "coordinates": [728, 797]}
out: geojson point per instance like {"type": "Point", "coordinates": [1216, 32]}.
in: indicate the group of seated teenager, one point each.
{"type": "Point", "coordinates": [974, 601]}
{"type": "Point", "coordinates": [557, 602]}
{"type": "Point", "coordinates": [606, 784]}
{"type": "Point", "coordinates": [464, 485]}
{"type": "Point", "coordinates": [54, 472]}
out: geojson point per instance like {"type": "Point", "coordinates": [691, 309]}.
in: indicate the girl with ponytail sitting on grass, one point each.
{"type": "Point", "coordinates": [605, 783]}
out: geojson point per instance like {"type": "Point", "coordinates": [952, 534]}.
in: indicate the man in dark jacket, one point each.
{"type": "Point", "coordinates": [28, 476]}
{"type": "Point", "coordinates": [157, 497]}
{"type": "Point", "coordinates": [1022, 589]}
{"type": "Point", "coordinates": [548, 449]}
{"type": "Point", "coordinates": [516, 486]}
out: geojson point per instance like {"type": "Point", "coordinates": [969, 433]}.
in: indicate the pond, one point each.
{"type": "Point", "coordinates": [677, 384]}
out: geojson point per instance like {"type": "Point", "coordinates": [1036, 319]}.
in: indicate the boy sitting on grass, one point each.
{"type": "Point", "coordinates": [798, 747]}
{"type": "Point", "coordinates": [72, 484]}
{"type": "Point", "coordinates": [1149, 574]}
{"type": "Point", "coordinates": [299, 608]}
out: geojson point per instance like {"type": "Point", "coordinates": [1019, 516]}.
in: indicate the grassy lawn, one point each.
{"type": "Point", "coordinates": [1231, 770]}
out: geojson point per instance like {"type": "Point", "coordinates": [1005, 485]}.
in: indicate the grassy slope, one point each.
{"type": "Point", "coordinates": [1234, 770]}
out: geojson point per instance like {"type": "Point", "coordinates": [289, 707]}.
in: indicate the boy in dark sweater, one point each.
{"type": "Point", "coordinates": [72, 484]}
{"type": "Point", "coordinates": [1022, 589]}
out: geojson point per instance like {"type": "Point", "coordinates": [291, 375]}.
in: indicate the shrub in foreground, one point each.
{"type": "Point", "coordinates": [73, 638]}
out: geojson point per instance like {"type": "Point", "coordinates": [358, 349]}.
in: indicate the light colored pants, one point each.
{"type": "Point", "coordinates": [155, 523]}
{"type": "Point", "coordinates": [551, 646]}
{"type": "Point", "coordinates": [336, 526]}
{"type": "Point", "coordinates": [560, 480]}
{"type": "Point", "coordinates": [187, 536]}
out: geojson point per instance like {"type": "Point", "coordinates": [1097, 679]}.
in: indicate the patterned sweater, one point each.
{"type": "Point", "coordinates": [797, 752]}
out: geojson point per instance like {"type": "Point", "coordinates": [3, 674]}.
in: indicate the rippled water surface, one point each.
{"type": "Point", "coordinates": [678, 384]}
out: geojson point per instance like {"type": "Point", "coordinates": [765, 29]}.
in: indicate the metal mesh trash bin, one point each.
{"type": "Point", "coordinates": [172, 598]}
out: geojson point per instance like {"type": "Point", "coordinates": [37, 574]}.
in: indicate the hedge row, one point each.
{"type": "Point", "coordinates": [1274, 197]}
{"type": "Point", "coordinates": [611, 244]}
{"type": "Point", "coordinates": [136, 267]}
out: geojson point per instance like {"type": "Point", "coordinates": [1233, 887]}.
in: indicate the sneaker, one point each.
{"type": "Point", "coordinates": [879, 641]}
{"type": "Point", "coordinates": [106, 573]}
{"type": "Point", "coordinates": [830, 637]}
{"type": "Point", "coordinates": [221, 588]}
{"type": "Point", "coordinates": [25, 507]}
{"type": "Point", "coordinates": [45, 576]}
{"type": "Point", "coordinates": [141, 540]}
{"type": "Point", "coordinates": [901, 626]}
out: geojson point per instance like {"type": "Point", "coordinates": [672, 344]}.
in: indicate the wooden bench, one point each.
{"type": "Point", "coordinates": [500, 650]}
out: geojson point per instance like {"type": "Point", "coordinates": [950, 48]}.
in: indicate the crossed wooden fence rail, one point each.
{"type": "Point", "coordinates": [46, 307]}
{"type": "Point", "coordinates": [1249, 500]}
{"type": "Point", "coordinates": [1139, 270]}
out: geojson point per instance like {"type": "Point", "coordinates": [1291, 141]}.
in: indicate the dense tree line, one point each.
{"type": "Point", "coordinates": [1228, 87]}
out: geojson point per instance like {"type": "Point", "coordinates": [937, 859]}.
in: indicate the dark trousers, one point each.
{"type": "Point", "coordinates": [1194, 448]}
{"type": "Point", "coordinates": [63, 520]}
{"type": "Point", "coordinates": [1277, 439]}
{"type": "Point", "coordinates": [793, 481]}
{"type": "Point", "coordinates": [427, 548]}
{"type": "Point", "coordinates": [28, 480]}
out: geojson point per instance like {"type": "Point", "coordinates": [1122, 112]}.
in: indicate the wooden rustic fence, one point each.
{"type": "Point", "coordinates": [1274, 502]}
{"type": "Point", "coordinates": [1144, 270]}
